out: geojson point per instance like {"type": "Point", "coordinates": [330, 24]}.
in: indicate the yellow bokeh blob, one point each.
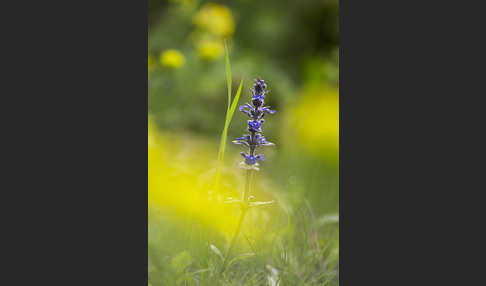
{"type": "Point", "coordinates": [315, 118]}
{"type": "Point", "coordinates": [210, 50]}
{"type": "Point", "coordinates": [215, 19]}
{"type": "Point", "coordinates": [174, 182]}
{"type": "Point", "coordinates": [172, 59]}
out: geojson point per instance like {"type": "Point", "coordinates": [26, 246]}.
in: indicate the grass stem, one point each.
{"type": "Point", "coordinates": [244, 210]}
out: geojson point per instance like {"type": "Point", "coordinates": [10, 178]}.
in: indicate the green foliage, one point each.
{"type": "Point", "coordinates": [298, 248]}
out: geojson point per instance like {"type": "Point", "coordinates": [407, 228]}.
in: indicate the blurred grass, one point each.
{"type": "Point", "coordinates": [294, 47]}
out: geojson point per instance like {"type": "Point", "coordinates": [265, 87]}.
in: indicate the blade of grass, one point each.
{"type": "Point", "coordinates": [223, 142]}
{"type": "Point", "coordinates": [235, 102]}
{"type": "Point", "coordinates": [228, 75]}
{"type": "Point", "coordinates": [222, 146]}
{"type": "Point", "coordinates": [229, 82]}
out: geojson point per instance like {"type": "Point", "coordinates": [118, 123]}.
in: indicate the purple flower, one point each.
{"type": "Point", "coordinates": [255, 111]}
{"type": "Point", "coordinates": [260, 85]}
{"type": "Point", "coordinates": [245, 140]}
{"type": "Point", "coordinates": [258, 92]}
{"type": "Point", "coordinates": [246, 109]}
{"type": "Point", "coordinates": [255, 125]}
{"type": "Point", "coordinates": [267, 109]}
{"type": "Point", "coordinates": [261, 141]}
{"type": "Point", "coordinates": [250, 159]}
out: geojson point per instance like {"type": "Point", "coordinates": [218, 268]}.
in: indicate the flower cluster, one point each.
{"type": "Point", "coordinates": [256, 111]}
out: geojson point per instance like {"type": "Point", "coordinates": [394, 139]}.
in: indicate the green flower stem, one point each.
{"type": "Point", "coordinates": [246, 192]}
{"type": "Point", "coordinates": [244, 210]}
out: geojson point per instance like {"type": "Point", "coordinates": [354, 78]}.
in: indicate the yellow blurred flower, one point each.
{"type": "Point", "coordinates": [316, 120]}
{"type": "Point", "coordinates": [210, 50]}
{"type": "Point", "coordinates": [216, 19]}
{"type": "Point", "coordinates": [172, 59]}
{"type": "Point", "coordinates": [151, 63]}
{"type": "Point", "coordinates": [175, 182]}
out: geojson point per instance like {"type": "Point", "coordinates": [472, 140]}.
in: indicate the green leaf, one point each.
{"type": "Point", "coordinates": [216, 250]}
{"type": "Point", "coordinates": [328, 219]}
{"type": "Point", "coordinates": [235, 103]}
{"type": "Point", "coordinates": [255, 204]}
{"type": "Point", "coordinates": [229, 115]}
{"type": "Point", "coordinates": [222, 146]}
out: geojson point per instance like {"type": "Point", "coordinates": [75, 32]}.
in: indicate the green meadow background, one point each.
{"type": "Point", "coordinates": [294, 47]}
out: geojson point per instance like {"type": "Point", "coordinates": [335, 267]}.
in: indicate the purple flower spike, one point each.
{"type": "Point", "coordinates": [255, 111]}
